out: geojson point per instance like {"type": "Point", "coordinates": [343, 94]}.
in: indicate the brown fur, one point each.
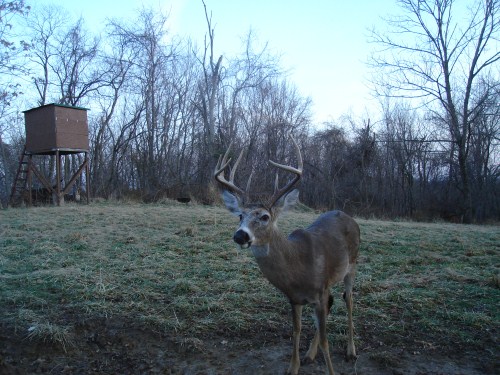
{"type": "Point", "coordinates": [304, 266]}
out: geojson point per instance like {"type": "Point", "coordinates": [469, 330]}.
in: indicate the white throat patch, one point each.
{"type": "Point", "coordinates": [260, 251]}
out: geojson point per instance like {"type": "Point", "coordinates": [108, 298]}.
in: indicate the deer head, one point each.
{"type": "Point", "coordinates": [257, 220]}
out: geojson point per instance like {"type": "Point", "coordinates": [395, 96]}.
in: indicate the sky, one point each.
{"type": "Point", "coordinates": [323, 44]}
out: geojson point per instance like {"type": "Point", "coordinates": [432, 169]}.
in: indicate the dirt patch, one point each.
{"type": "Point", "coordinates": [113, 346]}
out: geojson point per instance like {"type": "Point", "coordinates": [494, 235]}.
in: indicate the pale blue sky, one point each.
{"type": "Point", "coordinates": [323, 43]}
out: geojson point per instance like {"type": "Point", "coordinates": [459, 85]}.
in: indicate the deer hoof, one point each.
{"type": "Point", "coordinates": [306, 361]}
{"type": "Point", "coordinates": [350, 357]}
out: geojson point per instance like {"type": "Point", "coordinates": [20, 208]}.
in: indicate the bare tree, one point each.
{"type": "Point", "coordinates": [430, 55]}
{"type": "Point", "coordinates": [328, 165]}
{"type": "Point", "coordinates": [12, 47]}
{"type": "Point", "coordinates": [485, 151]}
{"type": "Point", "coordinates": [77, 76]}
{"type": "Point", "coordinates": [45, 26]}
{"type": "Point", "coordinates": [403, 141]}
{"type": "Point", "coordinates": [208, 90]}
{"type": "Point", "coordinates": [106, 141]}
{"type": "Point", "coordinates": [155, 89]}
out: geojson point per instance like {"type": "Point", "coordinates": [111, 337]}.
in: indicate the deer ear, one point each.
{"type": "Point", "coordinates": [288, 201]}
{"type": "Point", "coordinates": [232, 202]}
{"type": "Point", "coordinates": [291, 199]}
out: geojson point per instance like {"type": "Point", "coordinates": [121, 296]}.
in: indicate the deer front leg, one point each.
{"type": "Point", "coordinates": [293, 369]}
{"type": "Point", "coordinates": [321, 315]}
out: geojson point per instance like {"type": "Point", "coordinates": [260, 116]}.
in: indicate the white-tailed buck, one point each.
{"type": "Point", "coordinates": [303, 265]}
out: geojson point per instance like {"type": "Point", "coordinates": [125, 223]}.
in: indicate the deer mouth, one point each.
{"type": "Point", "coordinates": [246, 245]}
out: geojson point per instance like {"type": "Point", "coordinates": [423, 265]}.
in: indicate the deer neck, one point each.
{"type": "Point", "coordinates": [277, 246]}
{"type": "Point", "coordinates": [276, 258]}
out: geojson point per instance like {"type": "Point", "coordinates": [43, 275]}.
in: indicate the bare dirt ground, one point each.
{"type": "Point", "coordinates": [111, 346]}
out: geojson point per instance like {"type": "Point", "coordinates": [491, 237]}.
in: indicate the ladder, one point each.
{"type": "Point", "coordinates": [19, 186]}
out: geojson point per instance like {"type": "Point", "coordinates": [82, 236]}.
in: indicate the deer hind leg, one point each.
{"type": "Point", "coordinates": [313, 347]}
{"type": "Point", "coordinates": [349, 282]}
{"type": "Point", "coordinates": [321, 310]}
{"type": "Point", "coordinates": [294, 366]}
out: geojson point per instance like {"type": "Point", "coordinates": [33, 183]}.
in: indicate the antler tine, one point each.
{"type": "Point", "coordinates": [278, 193]}
{"type": "Point", "coordinates": [249, 182]}
{"type": "Point", "coordinates": [233, 170]}
{"type": "Point", "coordinates": [221, 166]}
{"type": "Point", "coordinates": [299, 160]}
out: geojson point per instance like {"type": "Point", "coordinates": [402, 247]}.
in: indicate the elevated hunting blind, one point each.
{"type": "Point", "coordinates": [56, 127]}
{"type": "Point", "coordinates": [53, 130]}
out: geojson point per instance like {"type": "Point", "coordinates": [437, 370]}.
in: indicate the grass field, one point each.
{"type": "Point", "coordinates": [163, 289]}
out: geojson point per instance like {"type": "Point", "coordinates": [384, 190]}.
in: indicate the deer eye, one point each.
{"type": "Point", "coordinates": [264, 218]}
{"type": "Point", "coordinates": [241, 217]}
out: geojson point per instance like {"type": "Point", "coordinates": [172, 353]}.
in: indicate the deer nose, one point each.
{"type": "Point", "coordinates": [241, 237]}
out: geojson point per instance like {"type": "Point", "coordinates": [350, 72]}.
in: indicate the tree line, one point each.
{"type": "Point", "coordinates": [162, 110]}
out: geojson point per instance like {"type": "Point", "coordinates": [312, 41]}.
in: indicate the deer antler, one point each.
{"type": "Point", "coordinates": [278, 193]}
{"type": "Point", "coordinates": [222, 164]}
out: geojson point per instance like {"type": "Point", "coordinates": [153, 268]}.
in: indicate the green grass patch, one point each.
{"type": "Point", "coordinates": [174, 268]}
